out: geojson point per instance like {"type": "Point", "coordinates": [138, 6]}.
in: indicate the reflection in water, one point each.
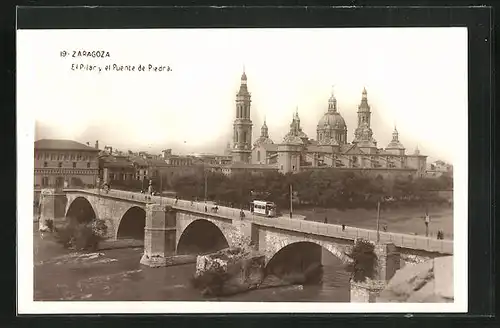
{"type": "Point", "coordinates": [117, 275]}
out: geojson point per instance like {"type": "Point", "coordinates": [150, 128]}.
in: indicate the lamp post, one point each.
{"type": "Point", "coordinates": [427, 221]}
{"type": "Point", "coordinates": [206, 183]}
{"type": "Point", "coordinates": [291, 201]}
{"type": "Point", "coordinates": [161, 188]}
{"type": "Point", "coordinates": [378, 221]}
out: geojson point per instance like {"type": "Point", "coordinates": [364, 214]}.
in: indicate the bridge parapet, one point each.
{"type": "Point", "coordinates": [335, 231]}
{"type": "Point", "coordinates": [310, 227]}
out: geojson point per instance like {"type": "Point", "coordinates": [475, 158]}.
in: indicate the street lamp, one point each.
{"type": "Point", "coordinates": [206, 183]}
{"type": "Point", "coordinates": [378, 221]}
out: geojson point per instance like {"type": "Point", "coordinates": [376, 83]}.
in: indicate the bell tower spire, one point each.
{"type": "Point", "coordinates": [242, 135]}
{"type": "Point", "coordinates": [264, 131]}
{"type": "Point", "coordinates": [332, 102]}
{"type": "Point", "coordinates": [363, 133]}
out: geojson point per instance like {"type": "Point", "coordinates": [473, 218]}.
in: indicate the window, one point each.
{"type": "Point", "coordinates": [53, 157]}
{"type": "Point", "coordinates": [79, 157]}
{"type": "Point", "coordinates": [44, 164]}
{"type": "Point", "coordinates": [258, 155]}
{"type": "Point", "coordinates": [60, 164]}
{"type": "Point", "coordinates": [47, 156]}
{"type": "Point", "coordinates": [88, 165]}
{"type": "Point", "coordinates": [74, 164]}
{"type": "Point", "coordinates": [45, 181]}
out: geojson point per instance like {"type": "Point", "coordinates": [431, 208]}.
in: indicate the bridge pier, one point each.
{"type": "Point", "coordinates": [160, 238]}
{"type": "Point", "coordinates": [388, 262]}
{"type": "Point", "coordinates": [52, 207]}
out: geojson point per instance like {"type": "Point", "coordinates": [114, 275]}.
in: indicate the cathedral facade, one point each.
{"type": "Point", "coordinates": [330, 149]}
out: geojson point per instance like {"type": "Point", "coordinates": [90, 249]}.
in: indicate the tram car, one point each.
{"type": "Point", "coordinates": [264, 208]}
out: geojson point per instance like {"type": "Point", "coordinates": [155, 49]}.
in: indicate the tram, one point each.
{"type": "Point", "coordinates": [264, 208]}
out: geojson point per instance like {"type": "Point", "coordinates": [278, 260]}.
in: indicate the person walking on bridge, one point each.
{"type": "Point", "coordinates": [150, 188]}
{"type": "Point", "coordinates": [427, 221]}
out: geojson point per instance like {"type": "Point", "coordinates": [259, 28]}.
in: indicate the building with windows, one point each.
{"type": "Point", "coordinates": [116, 168]}
{"type": "Point", "coordinates": [65, 163]}
{"type": "Point", "coordinates": [439, 168]}
{"type": "Point", "coordinates": [330, 149]}
{"type": "Point", "coordinates": [126, 169]}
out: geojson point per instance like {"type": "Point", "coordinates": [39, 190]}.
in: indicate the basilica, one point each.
{"type": "Point", "coordinates": [330, 149]}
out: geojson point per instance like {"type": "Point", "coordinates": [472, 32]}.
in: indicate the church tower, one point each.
{"type": "Point", "coordinates": [363, 135]}
{"type": "Point", "coordinates": [242, 136]}
{"type": "Point", "coordinates": [264, 131]}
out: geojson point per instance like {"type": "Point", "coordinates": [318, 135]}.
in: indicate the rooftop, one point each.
{"type": "Point", "coordinates": [251, 166]}
{"type": "Point", "coordinates": [61, 144]}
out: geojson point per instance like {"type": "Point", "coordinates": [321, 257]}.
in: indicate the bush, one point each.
{"type": "Point", "coordinates": [81, 236]}
{"type": "Point", "coordinates": [364, 261]}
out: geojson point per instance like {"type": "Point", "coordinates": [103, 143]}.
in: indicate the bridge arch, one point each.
{"type": "Point", "coordinates": [81, 210]}
{"type": "Point", "coordinates": [304, 262]}
{"type": "Point", "coordinates": [131, 224]}
{"type": "Point", "coordinates": [201, 236]}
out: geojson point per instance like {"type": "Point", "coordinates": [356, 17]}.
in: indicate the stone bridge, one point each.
{"type": "Point", "coordinates": [175, 231]}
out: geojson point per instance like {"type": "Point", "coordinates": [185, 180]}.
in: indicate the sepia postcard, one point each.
{"type": "Point", "coordinates": [258, 170]}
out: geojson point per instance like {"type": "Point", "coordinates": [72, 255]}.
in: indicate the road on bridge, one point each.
{"type": "Point", "coordinates": [309, 227]}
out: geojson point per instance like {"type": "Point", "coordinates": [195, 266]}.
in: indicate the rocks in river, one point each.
{"type": "Point", "coordinates": [430, 281]}
{"type": "Point", "coordinates": [235, 270]}
{"type": "Point", "coordinates": [229, 271]}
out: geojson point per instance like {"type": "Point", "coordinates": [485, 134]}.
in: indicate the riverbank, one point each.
{"type": "Point", "coordinates": [408, 220]}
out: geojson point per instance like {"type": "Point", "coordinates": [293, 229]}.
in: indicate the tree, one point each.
{"type": "Point", "coordinates": [364, 262]}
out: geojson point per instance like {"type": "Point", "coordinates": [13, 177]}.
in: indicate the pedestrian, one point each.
{"type": "Point", "coordinates": [385, 227]}
{"type": "Point", "coordinates": [440, 235]}
{"type": "Point", "coordinates": [427, 221]}
{"type": "Point", "coordinates": [326, 220]}
{"type": "Point", "coordinates": [150, 188]}
{"type": "Point", "coordinates": [206, 208]}
{"type": "Point", "coordinates": [242, 214]}
{"type": "Point", "coordinates": [343, 227]}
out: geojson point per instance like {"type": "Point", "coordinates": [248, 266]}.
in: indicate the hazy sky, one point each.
{"type": "Point", "coordinates": [416, 78]}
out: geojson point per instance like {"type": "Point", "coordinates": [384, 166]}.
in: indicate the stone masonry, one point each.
{"type": "Point", "coordinates": [165, 226]}
{"type": "Point", "coordinates": [53, 207]}
{"type": "Point", "coordinates": [159, 235]}
{"type": "Point", "coordinates": [388, 262]}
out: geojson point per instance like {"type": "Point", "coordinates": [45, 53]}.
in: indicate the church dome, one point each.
{"type": "Point", "coordinates": [395, 143]}
{"type": "Point", "coordinates": [291, 139]}
{"type": "Point", "coordinates": [332, 120]}
{"type": "Point", "coordinates": [263, 141]}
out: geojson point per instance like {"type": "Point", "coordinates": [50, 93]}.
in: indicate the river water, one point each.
{"type": "Point", "coordinates": [115, 274]}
